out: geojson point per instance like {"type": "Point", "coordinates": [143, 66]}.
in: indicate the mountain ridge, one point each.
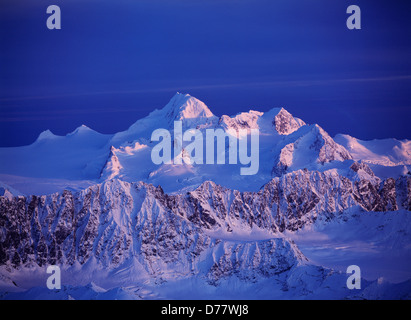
{"type": "Point", "coordinates": [287, 143]}
{"type": "Point", "coordinates": [206, 234]}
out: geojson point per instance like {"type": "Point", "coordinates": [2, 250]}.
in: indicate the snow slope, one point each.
{"type": "Point", "coordinates": [386, 152]}
{"type": "Point", "coordinates": [78, 155]}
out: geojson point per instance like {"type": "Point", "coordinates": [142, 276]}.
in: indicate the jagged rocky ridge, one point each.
{"type": "Point", "coordinates": [284, 123]}
{"type": "Point", "coordinates": [116, 220]}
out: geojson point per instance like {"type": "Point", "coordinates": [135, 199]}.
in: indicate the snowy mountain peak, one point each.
{"type": "Point", "coordinates": [187, 109]}
{"type": "Point", "coordinates": [8, 192]}
{"type": "Point", "coordinates": [243, 120]}
{"type": "Point", "coordinates": [181, 107]}
{"type": "Point", "coordinates": [328, 149]}
{"type": "Point", "coordinates": [47, 134]}
{"type": "Point", "coordinates": [309, 146]}
{"type": "Point", "coordinates": [284, 122]}
{"type": "Point", "coordinates": [81, 129]}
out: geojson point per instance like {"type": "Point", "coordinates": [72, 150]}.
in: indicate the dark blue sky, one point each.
{"type": "Point", "coordinates": [115, 61]}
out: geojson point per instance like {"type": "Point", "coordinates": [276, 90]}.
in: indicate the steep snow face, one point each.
{"type": "Point", "coordinates": [386, 152]}
{"type": "Point", "coordinates": [112, 167]}
{"type": "Point", "coordinates": [310, 145]}
{"type": "Point", "coordinates": [285, 159]}
{"type": "Point", "coordinates": [189, 110]}
{"type": "Point", "coordinates": [330, 150]}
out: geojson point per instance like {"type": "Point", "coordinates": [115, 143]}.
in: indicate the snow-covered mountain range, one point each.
{"type": "Point", "coordinates": [85, 157]}
{"type": "Point", "coordinates": [122, 227]}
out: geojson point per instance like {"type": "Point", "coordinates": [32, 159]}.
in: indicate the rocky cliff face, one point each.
{"type": "Point", "coordinates": [286, 203]}
{"type": "Point", "coordinates": [116, 221]}
{"type": "Point", "coordinates": [284, 123]}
